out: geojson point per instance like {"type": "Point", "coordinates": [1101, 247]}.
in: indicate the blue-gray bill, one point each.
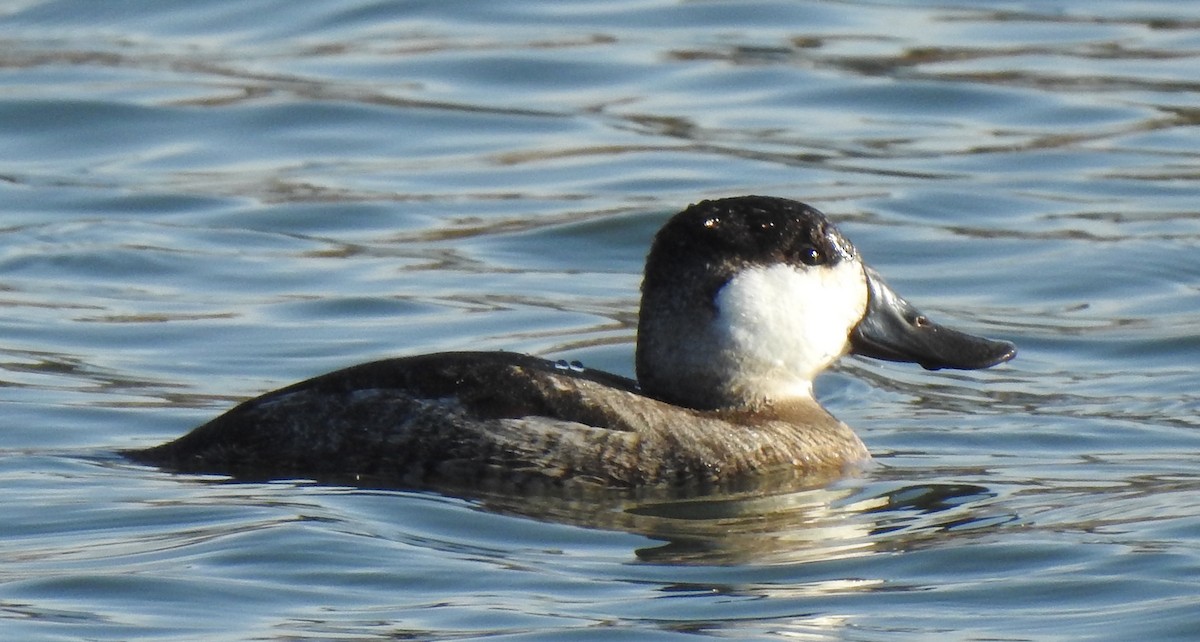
{"type": "Point", "coordinates": [893, 329]}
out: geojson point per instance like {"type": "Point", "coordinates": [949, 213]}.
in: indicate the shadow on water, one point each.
{"type": "Point", "coordinates": [767, 520]}
{"type": "Point", "coordinates": [773, 523]}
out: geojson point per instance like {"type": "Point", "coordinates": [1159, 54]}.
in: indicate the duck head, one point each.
{"type": "Point", "coordinates": [746, 300]}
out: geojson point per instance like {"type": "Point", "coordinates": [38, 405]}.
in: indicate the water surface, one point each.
{"type": "Point", "coordinates": [201, 203]}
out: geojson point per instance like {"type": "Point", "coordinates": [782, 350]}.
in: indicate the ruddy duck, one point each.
{"type": "Point", "coordinates": [744, 302]}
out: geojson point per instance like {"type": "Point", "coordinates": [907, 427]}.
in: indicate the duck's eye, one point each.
{"type": "Point", "coordinates": [811, 256]}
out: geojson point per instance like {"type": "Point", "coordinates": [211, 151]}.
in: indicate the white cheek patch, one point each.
{"type": "Point", "coordinates": [783, 324]}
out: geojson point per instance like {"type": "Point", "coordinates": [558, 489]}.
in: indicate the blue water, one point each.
{"type": "Point", "coordinates": [203, 201]}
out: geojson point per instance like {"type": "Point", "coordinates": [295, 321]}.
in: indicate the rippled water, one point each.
{"type": "Point", "coordinates": [202, 202]}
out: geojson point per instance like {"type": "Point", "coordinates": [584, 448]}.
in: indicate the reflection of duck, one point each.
{"type": "Point", "coordinates": [745, 300]}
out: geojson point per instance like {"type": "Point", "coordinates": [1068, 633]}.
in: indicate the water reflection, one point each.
{"type": "Point", "coordinates": [802, 526]}
{"type": "Point", "coordinates": [769, 520]}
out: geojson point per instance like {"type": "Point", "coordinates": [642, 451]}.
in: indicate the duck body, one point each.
{"type": "Point", "coordinates": [487, 418]}
{"type": "Point", "coordinates": [745, 301]}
